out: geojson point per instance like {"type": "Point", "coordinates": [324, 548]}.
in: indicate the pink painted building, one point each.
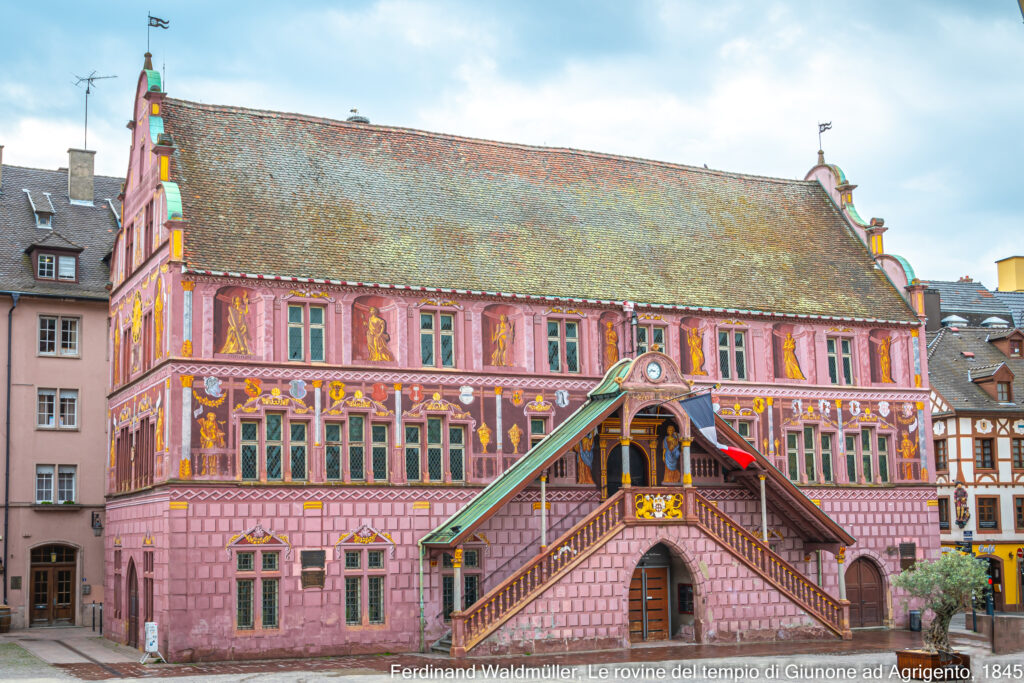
{"type": "Point", "coordinates": [377, 389]}
{"type": "Point", "coordinates": [58, 227]}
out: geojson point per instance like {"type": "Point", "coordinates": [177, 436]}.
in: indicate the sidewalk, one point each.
{"type": "Point", "coordinates": [78, 654]}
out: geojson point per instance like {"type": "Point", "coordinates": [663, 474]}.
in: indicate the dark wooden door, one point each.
{"type": "Point", "coordinates": [42, 596]}
{"type": "Point", "coordinates": [53, 588]}
{"type": "Point", "coordinates": [864, 591]}
{"type": "Point", "coordinates": [995, 572]}
{"type": "Point", "coordinates": [133, 606]}
{"type": "Point", "coordinates": [648, 604]}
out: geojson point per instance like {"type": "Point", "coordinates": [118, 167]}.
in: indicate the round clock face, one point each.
{"type": "Point", "coordinates": [653, 370]}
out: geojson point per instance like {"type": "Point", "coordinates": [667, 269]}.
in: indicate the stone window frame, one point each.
{"type": "Point", "coordinates": [730, 349]}
{"type": "Point", "coordinates": [448, 424]}
{"type": "Point", "coordinates": [307, 327]}
{"type": "Point", "coordinates": [435, 334]}
{"type": "Point", "coordinates": [257, 575]}
{"type": "Point", "coordinates": [58, 335]}
{"type": "Point", "coordinates": [839, 356]}
{"type": "Point", "coordinates": [59, 394]}
{"type": "Point", "coordinates": [648, 328]}
{"type": "Point", "coordinates": [262, 443]}
{"type": "Point", "coordinates": [363, 573]}
{"type": "Point", "coordinates": [995, 501]}
{"type": "Point", "coordinates": [476, 571]}
{"type": "Point", "coordinates": [563, 341]}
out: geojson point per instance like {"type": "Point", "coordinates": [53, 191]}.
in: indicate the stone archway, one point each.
{"type": "Point", "coordinates": [865, 589]}
{"type": "Point", "coordinates": [54, 584]}
{"type": "Point", "coordinates": [664, 595]}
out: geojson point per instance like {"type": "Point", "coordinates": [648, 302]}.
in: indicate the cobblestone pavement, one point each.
{"type": "Point", "coordinates": [76, 654]}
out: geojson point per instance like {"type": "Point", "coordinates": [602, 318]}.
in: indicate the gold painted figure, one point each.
{"type": "Point", "coordinates": [671, 447]}
{"type": "Point", "coordinates": [611, 345]}
{"type": "Point", "coordinates": [885, 360]}
{"type": "Point", "coordinates": [158, 320]}
{"type": "Point", "coordinates": [237, 340]}
{"type": "Point", "coordinates": [159, 429]}
{"type": "Point", "coordinates": [210, 433]}
{"type": "Point", "coordinates": [502, 337]}
{"type": "Point", "coordinates": [377, 337]}
{"type": "Point", "coordinates": [116, 360]}
{"type": "Point", "coordinates": [792, 365]}
{"type": "Point", "coordinates": [695, 342]}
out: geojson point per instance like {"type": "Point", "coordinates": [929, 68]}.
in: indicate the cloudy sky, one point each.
{"type": "Point", "coordinates": [926, 97]}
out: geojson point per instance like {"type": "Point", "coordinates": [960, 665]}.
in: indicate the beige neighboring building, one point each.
{"type": "Point", "coordinates": [57, 227]}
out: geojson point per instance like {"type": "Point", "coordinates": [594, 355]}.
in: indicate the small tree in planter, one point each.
{"type": "Point", "coordinates": [946, 585]}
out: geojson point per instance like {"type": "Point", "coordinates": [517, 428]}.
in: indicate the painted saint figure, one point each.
{"type": "Point", "coordinates": [237, 339]}
{"type": "Point", "coordinates": [585, 460]}
{"type": "Point", "coordinates": [210, 433]}
{"type": "Point", "coordinates": [158, 320]}
{"type": "Point", "coordinates": [695, 341]}
{"type": "Point", "coordinates": [885, 360]}
{"type": "Point", "coordinates": [792, 365]}
{"type": "Point", "coordinates": [672, 448]}
{"type": "Point", "coordinates": [502, 337]}
{"type": "Point", "coordinates": [377, 337]}
{"type": "Point", "coordinates": [159, 430]}
{"type": "Point", "coordinates": [611, 345]}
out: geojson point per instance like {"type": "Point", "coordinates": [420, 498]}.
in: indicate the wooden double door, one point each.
{"type": "Point", "coordinates": [648, 605]}
{"type": "Point", "coordinates": [865, 592]}
{"type": "Point", "coordinates": [53, 586]}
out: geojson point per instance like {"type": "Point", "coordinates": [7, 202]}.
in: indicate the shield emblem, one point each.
{"type": "Point", "coordinates": [561, 398]}
{"type": "Point", "coordinates": [297, 388]}
{"type": "Point", "coordinates": [466, 395]}
{"type": "Point", "coordinates": [212, 386]}
{"type": "Point", "coordinates": [416, 393]}
{"type": "Point", "coordinates": [517, 397]}
{"type": "Point", "coordinates": [253, 387]}
{"type": "Point", "coordinates": [379, 392]}
{"type": "Point", "coordinates": [337, 391]}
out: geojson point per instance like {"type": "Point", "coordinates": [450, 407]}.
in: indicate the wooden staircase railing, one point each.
{"type": "Point", "coordinates": [476, 622]}
{"type": "Point", "coordinates": [831, 612]}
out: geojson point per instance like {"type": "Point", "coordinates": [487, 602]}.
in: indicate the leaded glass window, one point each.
{"type": "Point", "coordinates": [245, 562]}
{"type": "Point", "coordinates": [332, 453]}
{"type": "Point", "coordinates": [244, 597]}
{"type": "Point", "coordinates": [650, 338]}
{"type": "Point", "coordinates": [447, 340]}
{"type": "Point", "coordinates": [374, 559]}
{"type": "Point", "coordinates": [883, 459]}
{"type": "Point", "coordinates": [740, 348]}
{"type": "Point", "coordinates": [250, 450]}
{"type": "Point", "coordinates": [427, 339]}
{"type": "Point", "coordinates": [554, 346]}
{"type": "Point", "coordinates": [273, 445]}
{"type": "Point", "coordinates": [356, 447]}
{"type": "Point", "coordinates": [352, 558]}
{"type": "Point", "coordinates": [270, 603]}
{"type": "Point", "coordinates": [353, 604]}
{"type": "Point", "coordinates": [296, 332]}
{"type": "Point", "coordinates": [866, 452]}
{"type": "Point", "coordinates": [793, 454]}
{"type": "Point", "coordinates": [435, 464]}
{"type": "Point", "coordinates": [316, 334]}
{"type": "Point", "coordinates": [471, 590]}
{"type": "Point", "coordinates": [379, 433]}
{"type": "Point", "coordinates": [270, 561]}
{"type": "Point", "coordinates": [297, 444]}
{"type": "Point", "coordinates": [447, 596]}
{"type": "Point", "coordinates": [375, 599]}
{"type": "Point", "coordinates": [826, 457]}
{"type": "Point", "coordinates": [412, 453]}
{"type": "Point", "coordinates": [724, 367]}
{"type": "Point", "coordinates": [572, 346]}
{"type": "Point", "coordinates": [809, 453]}
{"type": "Point", "coordinates": [851, 458]}
{"type": "Point", "coordinates": [457, 452]}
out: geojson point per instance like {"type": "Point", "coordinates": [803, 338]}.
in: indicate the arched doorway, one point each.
{"type": "Point", "coordinates": [865, 591]}
{"type": "Point", "coordinates": [637, 468]}
{"type": "Point", "coordinates": [662, 598]}
{"type": "Point", "coordinates": [133, 605]}
{"type": "Point", "coordinates": [53, 569]}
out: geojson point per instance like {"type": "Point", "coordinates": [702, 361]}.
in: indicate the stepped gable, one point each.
{"type": "Point", "coordinates": [285, 194]}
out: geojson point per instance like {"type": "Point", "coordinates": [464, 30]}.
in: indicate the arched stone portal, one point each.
{"type": "Point", "coordinates": [662, 600]}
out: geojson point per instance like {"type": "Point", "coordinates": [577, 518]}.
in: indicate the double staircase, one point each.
{"type": "Point", "coordinates": [630, 506]}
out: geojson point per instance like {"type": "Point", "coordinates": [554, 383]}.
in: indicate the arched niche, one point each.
{"type": "Point", "coordinates": [694, 345]}
{"type": "Point", "coordinates": [883, 345]}
{"type": "Point", "coordinates": [374, 327]}
{"type": "Point", "coordinates": [612, 339]}
{"type": "Point", "coordinates": [235, 321]}
{"type": "Point", "coordinates": [791, 352]}
{"type": "Point", "coordinates": [503, 330]}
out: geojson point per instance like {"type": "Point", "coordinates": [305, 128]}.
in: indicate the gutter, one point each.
{"type": "Point", "coordinates": [7, 435]}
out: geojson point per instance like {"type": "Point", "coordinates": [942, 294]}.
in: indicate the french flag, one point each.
{"type": "Point", "coordinates": [702, 415]}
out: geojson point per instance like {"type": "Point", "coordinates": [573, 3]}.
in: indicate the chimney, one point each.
{"type": "Point", "coordinates": [80, 175]}
{"type": "Point", "coordinates": [1011, 273]}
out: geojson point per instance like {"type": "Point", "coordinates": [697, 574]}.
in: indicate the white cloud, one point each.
{"type": "Point", "coordinates": [43, 143]}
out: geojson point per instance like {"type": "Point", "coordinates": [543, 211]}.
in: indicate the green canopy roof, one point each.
{"type": "Point", "coordinates": [601, 401]}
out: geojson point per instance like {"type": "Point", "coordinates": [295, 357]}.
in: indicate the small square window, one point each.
{"type": "Point", "coordinates": [270, 562]}
{"type": "Point", "coordinates": [245, 562]}
{"type": "Point", "coordinates": [375, 559]}
{"type": "Point", "coordinates": [352, 559]}
{"type": "Point", "coordinates": [45, 267]}
{"type": "Point", "coordinates": [471, 558]}
{"type": "Point", "coordinates": [66, 268]}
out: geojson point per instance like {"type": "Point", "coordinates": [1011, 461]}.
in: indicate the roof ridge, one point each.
{"type": "Point", "coordinates": [935, 342]}
{"type": "Point", "coordinates": [486, 141]}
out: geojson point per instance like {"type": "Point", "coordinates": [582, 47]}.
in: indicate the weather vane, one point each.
{"type": "Point", "coordinates": [822, 127]}
{"type": "Point", "coordinates": [155, 22]}
{"type": "Point", "coordinates": [89, 81]}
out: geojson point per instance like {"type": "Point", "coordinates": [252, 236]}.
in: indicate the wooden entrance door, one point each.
{"type": "Point", "coordinates": [864, 591]}
{"type": "Point", "coordinates": [648, 604]}
{"type": "Point", "coordinates": [53, 586]}
{"type": "Point", "coordinates": [133, 606]}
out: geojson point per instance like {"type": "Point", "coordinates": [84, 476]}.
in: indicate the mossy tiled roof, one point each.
{"type": "Point", "coordinates": [286, 194]}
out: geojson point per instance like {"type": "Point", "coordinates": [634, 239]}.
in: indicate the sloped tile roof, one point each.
{"type": "Point", "coordinates": [948, 369]}
{"type": "Point", "coordinates": [972, 300]}
{"type": "Point", "coordinates": [92, 228]}
{"type": "Point", "coordinates": [285, 194]}
{"type": "Point", "coordinates": [1015, 302]}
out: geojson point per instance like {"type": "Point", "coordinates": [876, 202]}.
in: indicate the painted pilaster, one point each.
{"type": "Point", "coordinates": [922, 443]}
{"type": "Point", "coordinates": [206, 329]}
{"type": "Point", "coordinates": [400, 431]}
{"type": "Point", "coordinates": [624, 443]}
{"type": "Point", "coordinates": [529, 347]}
{"type": "Point", "coordinates": [841, 446]}
{"type": "Point", "coordinates": [687, 475]}
{"type": "Point", "coordinates": [317, 384]}
{"type": "Point", "coordinates": [498, 429]}
{"type": "Point", "coordinates": [543, 511]}
{"type": "Point", "coordinates": [457, 580]}
{"type": "Point", "coordinates": [185, 466]}
{"type": "Point", "coordinates": [186, 319]}
{"type": "Point", "coordinates": [770, 410]}
{"type": "Point", "coordinates": [841, 561]}
{"type": "Point", "coordinates": [764, 510]}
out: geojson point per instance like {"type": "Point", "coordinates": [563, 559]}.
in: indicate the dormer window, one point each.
{"type": "Point", "coordinates": [1004, 394]}
{"type": "Point", "coordinates": [1015, 348]}
{"type": "Point", "coordinates": [56, 267]}
{"type": "Point", "coordinates": [44, 220]}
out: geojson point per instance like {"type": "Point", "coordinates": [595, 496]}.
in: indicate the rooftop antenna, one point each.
{"type": "Point", "coordinates": [89, 81]}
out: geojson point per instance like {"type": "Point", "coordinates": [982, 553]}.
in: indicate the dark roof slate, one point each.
{"type": "Point", "coordinates": [972, 300]}
{"type": "Point", "coordinates": [91, 228]}
{"type": "Point", "coordinates": [1014, 301]}
{"type": "Point", "coordinates": [950, 372]}
{"type": "Point", "coordinates": [285, 194]}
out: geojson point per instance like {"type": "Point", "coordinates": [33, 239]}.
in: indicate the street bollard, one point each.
{"type": "Point", "coordinates": [93, 615]}
{"type": "Point", "coordinates": [101, 618]}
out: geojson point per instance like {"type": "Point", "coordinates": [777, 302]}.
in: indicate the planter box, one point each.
{"type": "Point", "coordinates": [919, 665]}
